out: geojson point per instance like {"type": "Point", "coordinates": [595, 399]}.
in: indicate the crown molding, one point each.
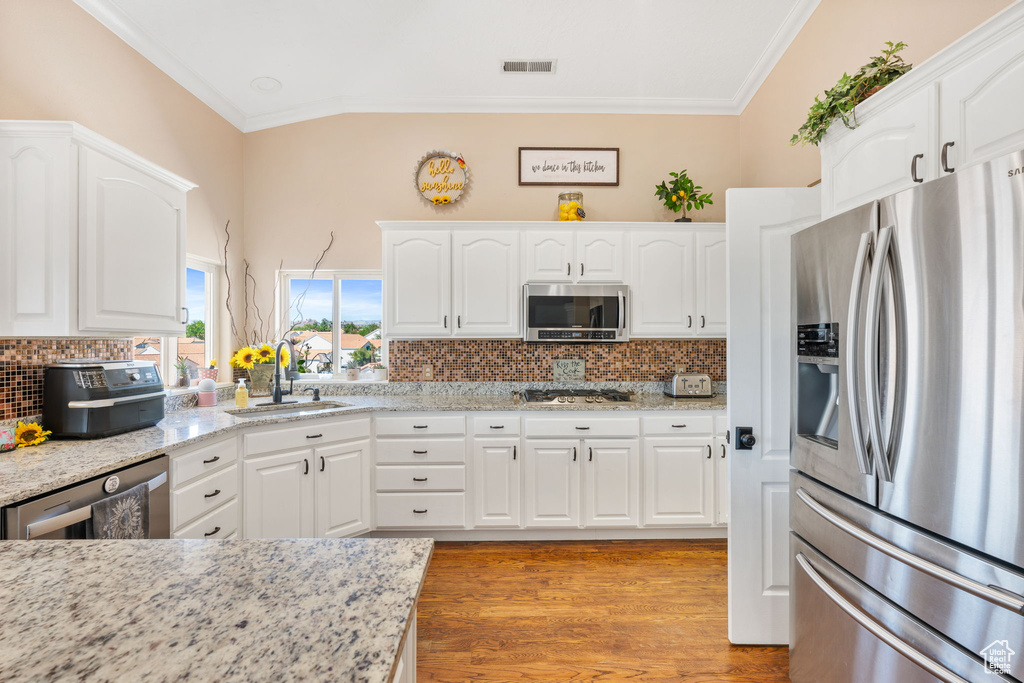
{"type": "Point", "coordinates": [120, 24]}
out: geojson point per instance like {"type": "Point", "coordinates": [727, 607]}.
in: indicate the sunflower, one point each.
{"type": "Point", "coordinates": [244, 358]}
{"type": "Point", "coordinates": [285, 357]}
{"type": "Point", "coordinates": [265, 354]}
{"type": "Point", "coordinates": [30, 434]}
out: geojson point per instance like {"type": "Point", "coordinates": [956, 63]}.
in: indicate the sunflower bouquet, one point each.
{"type": "Point", "coordinates": [258, 360]}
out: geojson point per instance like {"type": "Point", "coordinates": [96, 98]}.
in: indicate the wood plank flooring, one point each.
{"type": "Point", "coordinates": [601, 610]}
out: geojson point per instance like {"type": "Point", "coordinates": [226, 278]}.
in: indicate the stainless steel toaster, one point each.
{"type": "Point", "coordinates": [689, 385]}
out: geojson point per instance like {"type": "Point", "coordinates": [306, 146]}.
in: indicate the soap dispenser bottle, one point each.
{"type": "Point", "coordinates": [241, 395]}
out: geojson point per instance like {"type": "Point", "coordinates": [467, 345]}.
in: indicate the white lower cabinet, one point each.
{"type": "Point", "coordinates": [204, 490]}
{"type": "Point", "coordinates": [721, 481]}
{"type": "Point", "coordinates": [679, 479]}
{"type": "Point", "coordinates": [611, 483]}
{"type": "Point", "coordinates": [496, 483]}
{"type": "Point", "coordinates": [279, 496]}
{"type": "Point", "coordinates": [343, 489]}
{"type": "Point", "coordinates": [405, 669]}
{"type": "Point", "coordinates": [552, 483]}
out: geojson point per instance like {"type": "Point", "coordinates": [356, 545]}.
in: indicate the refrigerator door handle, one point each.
{"type": "Point", "coordinates": [994, 595]}
{"type": "Point", "coordinates": [871, 328]}
{"type": "Point", "coordinates": [853, 337]}
{"type": "Point", "coordinates": [875, 628]}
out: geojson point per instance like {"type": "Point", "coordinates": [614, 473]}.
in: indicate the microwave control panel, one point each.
{"type": "Point", "coordinates": [580, 335]}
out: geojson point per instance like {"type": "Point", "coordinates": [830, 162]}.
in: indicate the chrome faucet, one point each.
{"type": "Point", "coordinates": [291, 372]}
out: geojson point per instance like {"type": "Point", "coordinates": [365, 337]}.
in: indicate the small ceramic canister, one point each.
{"type": "Point", "coordinates": [6, 439]}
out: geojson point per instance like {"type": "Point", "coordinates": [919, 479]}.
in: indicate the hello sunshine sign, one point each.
{"type": "Point", "coordinates": [442, 177]}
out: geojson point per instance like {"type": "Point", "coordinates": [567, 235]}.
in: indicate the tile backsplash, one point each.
{"type": "Point", "coordinates": [495, 360]}
{"type": "Point", "coordinates": [22, 362]}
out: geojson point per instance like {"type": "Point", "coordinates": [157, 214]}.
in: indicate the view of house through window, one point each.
{"type": "Point", "coordinates": [337, 316]}
{"type": "Point", "coordinates": [183, 356]}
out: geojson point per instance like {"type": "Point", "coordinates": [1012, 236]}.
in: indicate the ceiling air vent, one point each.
{"type": "Point", "coordinates": [528, 66]}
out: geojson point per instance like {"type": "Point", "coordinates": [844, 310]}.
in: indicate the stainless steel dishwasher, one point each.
{"type": "Point", "coordinates": [64, 514]}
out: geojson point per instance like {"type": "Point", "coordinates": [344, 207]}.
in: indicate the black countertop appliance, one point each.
{"type": "Point", "coordinates": [90, 398]}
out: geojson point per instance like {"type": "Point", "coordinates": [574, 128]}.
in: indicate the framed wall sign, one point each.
{"type": "Point", "coordinates": [569, 166]}
{"type": "Point", "coordinates": [442, 177]}
{"type": "Point", "coordinates": [567, 369]}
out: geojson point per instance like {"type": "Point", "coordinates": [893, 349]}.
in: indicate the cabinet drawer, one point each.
{"type": "Point", "coordinates": [582, 427]}
{"type": "Point", "coordinates": [679, 424]}
{"type": "Point", "coordinates": [308, 434]}
{"type": "Point", "coordinates": [203, 460]}
{"type": "Point", "coordinates": [421, 451]}
{"type": "Point", "coordinates": [398, 510]}
{"type": "Point", "coordinates": [204, 495]}
{"type": "Point", "coordinates": [496, 425]}
{"type": "Point", "coordinates": [421, 425]}
{"type": "Point", "coordinates": [421, 478]}
{"type": "Point", "coordinates": [220, 523]}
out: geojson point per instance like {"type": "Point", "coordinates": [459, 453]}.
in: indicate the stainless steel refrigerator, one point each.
{"type": "Point", "coordinates": [906, 511]}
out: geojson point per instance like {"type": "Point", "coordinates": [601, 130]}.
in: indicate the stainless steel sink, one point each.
{"type": "Point", "coordinates": [286, 409]}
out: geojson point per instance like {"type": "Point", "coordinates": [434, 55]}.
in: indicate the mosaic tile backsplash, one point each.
{"type": "Point", "coordinates": [497, 360]}
{"type": "Point", "coordinates": [22, 362]}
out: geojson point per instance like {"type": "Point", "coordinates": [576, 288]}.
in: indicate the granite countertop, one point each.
{"type": "Point", "coordinates": [332, 609]}
{"type": "Point", "coordinates": [29, 472]}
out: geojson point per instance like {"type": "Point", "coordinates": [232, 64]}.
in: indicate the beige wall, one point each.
{"type": "Point", "coordinates": [58, 63]}
{"type": "Point", "coordinates": [840, 36]}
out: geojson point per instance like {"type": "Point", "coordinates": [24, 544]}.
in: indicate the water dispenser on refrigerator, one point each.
{"type": "Point", "coordinates": [817, 383]}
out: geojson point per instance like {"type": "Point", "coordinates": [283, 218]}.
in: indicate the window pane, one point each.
{"type": "Point", "coordinates": [149, 348]}
{"type": "Point", "coordinates": [361, 308]}
{"type": "Point", "coordinates": [192, 348]}
{"type": "Point", "coordinates": [311, 312]}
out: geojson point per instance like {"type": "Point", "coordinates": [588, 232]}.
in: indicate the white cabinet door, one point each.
{"type": "Point", "coordinates": [35, 230]}
{"type": "Point", "coordinates": [549, 255]}
{"type": "Point", "coordinates": [710, 274]}
{"type": "Point", "coordinates": [487, 287]}
{"type": "Point", "coordinates": [131, 267]}
{"type": "Point", "coordinates": [875, 159]}
{"type": "Point", "coordinates": [981, 102]}
{"type": "Point", "coordinates": [342, 489]}
{"type": "Point", "coordinates": [678, 481]}
{"type": "Point", "coordinates": [496, 483]}
{"type": "Point", "coordinates": [721, 480]}
{"type": "Point", "coordinates": [611, 483]}
{"type": "Point", "coordinates": [552, 482]}
{"type": "Point", "coordinates": [417, 283]}
{"type": "Point", "coordinates": [600, 256]}
{"type": "Point", "coordinates": [661, 284]}
{"type": "Point", "coordinates": [278, 496]}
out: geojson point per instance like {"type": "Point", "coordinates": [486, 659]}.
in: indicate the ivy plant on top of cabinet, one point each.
{"type": "Point", "coordinates": [106, 230]}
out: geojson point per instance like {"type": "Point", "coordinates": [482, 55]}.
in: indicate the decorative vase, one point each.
{"type": "Point", "coordinates": [208, 373]}
{"type": "Point", "coordinates": [380, 374]}
{"type": "Point", "coordinates": [351, 374]}
{"type": "Point", "coordinates": [260, 378]}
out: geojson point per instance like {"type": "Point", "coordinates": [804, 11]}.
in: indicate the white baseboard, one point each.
{"type": "Point", "coordinates": [552, 534]}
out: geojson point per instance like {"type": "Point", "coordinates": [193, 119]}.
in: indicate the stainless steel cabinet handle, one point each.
{"type": "Point", "coordinates": [323, 463]}
{"type": "Point", "coordinates": [213, 459]}
{"type": "Point", "coordinates": [313, 436]}
{"type": "Point", "coordinates": [913, 168]}
{"type": "Point", "coordinates": [979, 590]}
{"type": "Point", "coordinates": [702, 322]}
{"type": "Point", "coordinates": [852, 365]}
{"type": "Point", "coordinates": [723, 450]}
{"type": "Point", "coordinates": [211, 533]}
{"type": "Point", "coordinates": [415, 452]}
{"type": "Point", "coordinates": [216, 492]}
{"type": "Point", "coordinates": [944, 157]}
{"type": "Point", "coordinates": [186, 315]}
{"type": "Point", "coordinates": [879, 631]}
{"type": "Point", "coordinates": [419, 478]}
{"type": "Point", "coordinates": [420, 512]}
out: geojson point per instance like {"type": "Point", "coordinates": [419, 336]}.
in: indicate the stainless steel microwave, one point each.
{"type": "Point", "coordinates": [575, 313]}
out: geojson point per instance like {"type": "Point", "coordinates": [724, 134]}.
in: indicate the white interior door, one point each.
{"type": "Point", "coordinates": [759, 225]}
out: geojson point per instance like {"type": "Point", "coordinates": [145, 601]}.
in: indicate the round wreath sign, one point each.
{"type": "Point", "coordinates": [442, 177]}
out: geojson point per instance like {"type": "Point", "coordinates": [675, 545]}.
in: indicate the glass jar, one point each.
{"type": "Point", "coordinates": [570, 206]}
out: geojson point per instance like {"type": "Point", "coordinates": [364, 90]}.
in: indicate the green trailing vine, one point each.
{"type": "Point", "coordinates": [850, 91]}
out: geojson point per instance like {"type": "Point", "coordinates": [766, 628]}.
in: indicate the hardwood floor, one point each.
{"type": "Point", "coordinates": [602, 610]}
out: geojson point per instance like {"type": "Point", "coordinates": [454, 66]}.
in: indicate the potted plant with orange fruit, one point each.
{"type": "Point", "coordinates": [681, 194]}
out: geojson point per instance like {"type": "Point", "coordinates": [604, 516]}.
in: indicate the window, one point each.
{"type": "Point", "coordinates": [197, 348]}
{"type": "Point", "coordinates": [338, 315]}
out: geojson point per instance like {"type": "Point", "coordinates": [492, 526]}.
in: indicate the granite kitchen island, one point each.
{"type": "Point", "coordinates": [247, 610]}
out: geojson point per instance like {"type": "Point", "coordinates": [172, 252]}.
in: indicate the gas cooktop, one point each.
{"type": "Point", "coordinates": [573, 396]}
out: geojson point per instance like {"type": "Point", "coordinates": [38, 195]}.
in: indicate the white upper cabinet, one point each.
{"type": "Point", "coordinates": [486, 287]}
{"type": "Point", "coordinates": [600, 256]}
{"type": "Point", "coordinates": [662, 283]}
{"type": "Point", "coordinates": [960, 107]}
{"type": "Point", "coordinates": [417, 283]}
{"type": "Point", "coordinates": [981, 101]}
{"type": "Point", "coordinates": [35, 249]}
{"type": "Point", "coordinates": [889, 151]}
{"type": "Point", "coordinates": [549, 255]}
{"type": "Point", "coordinates": [105, 228]}
{"type": "Point", "coordinates": [711, 266]}
{"type": "Point", "coordinates": [131, 249]}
